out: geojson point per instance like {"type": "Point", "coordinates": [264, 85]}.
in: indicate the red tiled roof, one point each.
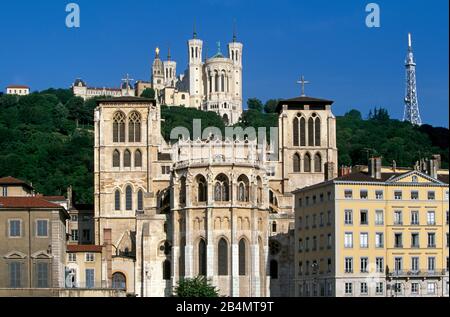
{"type": "Point", "coordinates": [84, 248]}
{"type": "Point", "coordinates": [26, 202]}
{"type": "Point", "coordinates": [18, 86]}
{"type": "Point", "coordinates": [12, 181]}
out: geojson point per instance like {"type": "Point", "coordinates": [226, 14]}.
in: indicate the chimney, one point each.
{"type": "Point", "coordinates": [107, 244]}
{"type": "Point", "coordinates": [432, 167]}
{"type": "Point", "coordinates": [438, 160]}
{"type": "Point", "coordinates": [345, 170]}
{"type": "Point", "coordinates": [374, 167]}
{"type": "Point", "coordinates": [329, 171]}
{"type": "Point", "coordinates": [394, 166]}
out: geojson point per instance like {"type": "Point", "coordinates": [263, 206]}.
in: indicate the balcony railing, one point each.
{"type": "Point", "coordinates": [419, 273]}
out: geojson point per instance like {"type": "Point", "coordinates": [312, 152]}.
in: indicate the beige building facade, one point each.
{"type": "Point", "coordinates": [33, 238]}
{"type": "Point", "coordinates": [375, 232]}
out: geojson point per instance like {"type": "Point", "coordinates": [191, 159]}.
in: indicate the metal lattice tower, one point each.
{"type": "Point", "coordinates": [411, 103]}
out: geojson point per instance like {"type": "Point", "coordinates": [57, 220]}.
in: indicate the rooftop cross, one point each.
{"type": "Point", "coordinates": [303, 82]}
{"type": "Point", "coordinates": [127, 82]}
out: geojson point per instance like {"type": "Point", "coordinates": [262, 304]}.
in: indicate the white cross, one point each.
{"type": "Point", "coordinates": [303, 82]}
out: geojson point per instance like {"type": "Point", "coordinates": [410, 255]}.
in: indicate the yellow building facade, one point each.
{"type": "Point", "coordinates": [373, 233]}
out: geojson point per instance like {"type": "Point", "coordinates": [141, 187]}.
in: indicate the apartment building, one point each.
{"type": "Point", "coordinates": [374, 233]}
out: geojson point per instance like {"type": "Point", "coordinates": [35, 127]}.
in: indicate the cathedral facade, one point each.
{"type": "Point", "coordinates": [213, 207]}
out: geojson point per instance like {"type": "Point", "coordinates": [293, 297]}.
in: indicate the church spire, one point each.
{"type": "Point", "coordinates": [168, 54]}
{"type": "Point", "coordinates": [234, 31]}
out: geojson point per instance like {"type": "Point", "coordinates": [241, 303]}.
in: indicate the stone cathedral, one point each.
{"type": "Point", "coordinates": [219, 208]}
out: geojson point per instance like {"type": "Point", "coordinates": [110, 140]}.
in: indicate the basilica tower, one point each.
{"type": "Point", "coordinates": [195, 47]}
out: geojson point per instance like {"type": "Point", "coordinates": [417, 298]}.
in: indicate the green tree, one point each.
{"type": "Point", "coordinates": [148, 93]}
{"type": "Point", "coordinates": [271, 105]}
{"type": "Point", "coordinates": [195, 287]}
{"type": "Point", "coordinates": [255, 104]}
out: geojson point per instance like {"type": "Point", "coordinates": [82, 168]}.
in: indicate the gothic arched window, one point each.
{"type": "Point", "coordinates": [138, 159]}
{"type": "Point", "coordinates": [127, 158]}
{"type": "Point", "coordinates": [202, 257]}
{"type": "Point", "coordinates": [296, 131]}
{"type": "Point", "coordinates": [167, 270]}
{"type": "Point", "coordinates": [129, 198]}
{"type": "Point", "coordinates": [307, 163]}
{"type": "Point", "coordinates": [182, 197]}
{"type": "Point", "coordinates": [317, 131]}
{"type": "Point", "coordinates": [243, 188]}
{"type": "Point", "coordinates": [222, 82]}
{"type": "Point", "coordinates": [296, 163]}
{"type": "Point", "coordinates": [117, 200]}
{"type": "Point", "coordinates": [273, 269]}
{"type": "Point", "coordinates": [311, 132]}
{"type": "Point", "coordinates": [222, 259]}
{"type": "Point", "coordinates": [140, 200]}
{"type": "Point", "coordinates": [134, 127]}
{"type": "Point", "coordinates": [116, 158]}
{"type": "Point", "coordinates": [302, 132]}
{"type": "Point", "coordinates": [242, 257]}
{"type": "Point", "coordinates": [202, 189]}
{"type": "Point", "coordinates": [317, 163]}
{"type": "Point", "coordinates": [119, 127]}
{"type": "Point", "coordinates": [221, 188]}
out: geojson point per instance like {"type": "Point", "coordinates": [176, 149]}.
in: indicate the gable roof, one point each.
{"type": "Point", "coordinates": [14, 181]}
{"type": "Point", "coordinates": [26, 202]}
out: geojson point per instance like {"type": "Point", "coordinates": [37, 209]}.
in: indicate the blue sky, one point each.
{"type": "Point", "coordinates": [325, 40]}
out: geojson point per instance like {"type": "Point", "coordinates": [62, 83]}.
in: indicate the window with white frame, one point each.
{"type": "Point", "coordinates": [397, 195]}
{"type": "Point", "coordinates": [72, 257]}
{"type": "Point", "coordinates": [364, 289]}
{"type": "Point", "coordinates": [74, 235]}
{"type": "Point", "coordinates": [414, 195]}
{"type": "Point", "coordinates": [348, 288]}
{"type": "Point", "coordinates": [348, 217]}
{"type": "Point", "coordinates": [348, 240]}
{"type": "Point", "coordinates": [398, 264]}
{"type": "Point", "coordinates": [398, 219]}
{"type": "Point", "coordinates": [415, 288]}
{"type": "Point", "coordinates": [364, 240]}
{"type": "Point", "coordinates": [379, 195]}
{"type": "Point", "coordinates": [348, 194]}
{"type": "Point", "coordinates": [379, 217]}
{"type": "Point", "coordinates": [348, 265]}
{"type": "Point", "coordinates": [89, 257]}
{"type": "Point", "coordinates": [431, 264]}
{"type": "Point", "coordinates": [379, 262]}
{"type": "Point", "coordinates": [363, 194]}
{"type": "Point", "coordinates": [415, 217]}
{"type": "Point", "coordinates": [431, 195]}
{"type": "Point", "coordinates": [415, 264]}
{"type": "Point", "coordinates": [431, 239]}
{"type": "Point", "coordinates": [379, 288]}
{"type": "Point", "coordinates": [364, 265]}
{"type": "Point", "coordinates": [379, 240]}
{"type": "Point", "coordinates": [431, 218]}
